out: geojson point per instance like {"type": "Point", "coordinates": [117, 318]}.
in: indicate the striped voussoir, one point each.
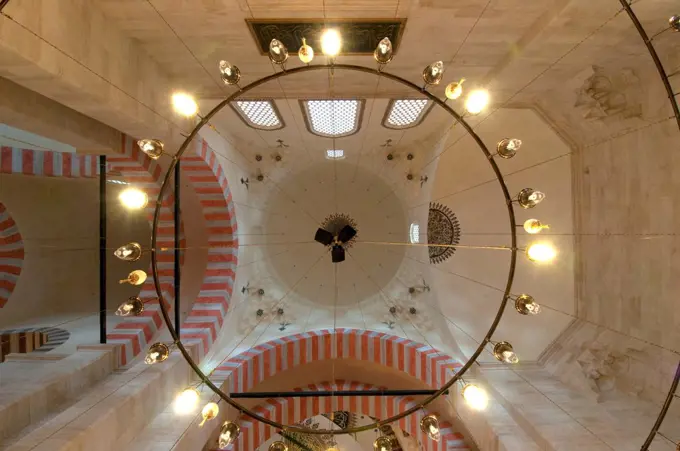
{"type": "Point", "coordinates": [210, 184]}
{"type": "Point", "coordinates": [263, 361]}
{"type": "Point", "coordinates": [11, 255]}
{"type": "Point", "coordinates": [295, 410]}
{"type": "Point", "coordinates": [135, 333]}
{"type": "Point", "coordinates": [14, 160]}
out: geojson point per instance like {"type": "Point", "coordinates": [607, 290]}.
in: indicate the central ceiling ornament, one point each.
{"type": "Point", "coordinates": [339, 231]}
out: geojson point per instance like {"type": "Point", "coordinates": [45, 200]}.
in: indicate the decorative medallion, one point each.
{"type": "Point", "coordinates": [335, 222]}
{"type": "Point", "coordinates": [442, 228]}
{"type": "Point", "coordinates": [359, 37]}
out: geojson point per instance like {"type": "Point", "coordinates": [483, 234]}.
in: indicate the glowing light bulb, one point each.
{"type": "Point", "coordinates": [504, 352]}
{"type": "Point", "coordinates": [278, 446]}
{"type": "Point", "coordinates": [674, 22]}
{"type": "Point", "coordinates": [430, 426]}
{"type": "Point", "coordinates": [331, 43]}
{"type": "Point", "coordinates": [541, 252]}
{"type": "Point", "coordinates": [209, 412]}
{"type": "Point", "coordinates": [228, 433]}
{"type": "Point", "coordinates": [230, 74]}
{"type": "Point", "coordinates": [278, 52]}
{"type": "Point", "coordinates": [454, 90]}
{"type": "Point", "coordinates": [130, 252]}
{"type": "Point", "coordinates": [507, 148]}
{"type": "Point", "coordinates": [534, 226]}
{"type": "Point", "coordinates": [383, 53]}
{"type": "Point", "coordinates": [152, 147]}
{"type": "Point", "coordinates": [433, 73]}
{"type": "Point", "coordinates": [157, 352]}
{"type": "Point", "coordinates": [184, 104]}
{"type": "Point", "coordinates": [475, 397]}
{"type": "Point", "coordinates": [306, 53]}
{"type": "Point", "coordinates": [529, 198]}
{"type": "Point", "coordinates": [133, 306]}
{"type": "Point", "coordinates": [382, 444]}
{"type": "Point", "coordinates": [186, 401]}
{"type": "Point", "coordinates": [476, 101]}
{"type": "Point", "coordinates": [136, 277]}
{"type": "Point", "coordinates": [133, 198]}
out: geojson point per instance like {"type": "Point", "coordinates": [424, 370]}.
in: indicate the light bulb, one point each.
{"type": "Point", "coordinates": [476, 101]}
{"type": "Point", "coordinates": [674, 22]}
{"type": "Point", "coordinates": [526, 305]}
{"type": "Point", "coordinates": [133, 306]}
{"type": "Point", "coordinates": [130, 252]}
{"type": "Point", "coordinates": [534, 226]}
{"type": "Point", "coordinates": [152, 147]}
{"type": "Point", "coordinates": [278, 52]}
{"type": "Point", "coordinates": [383, 53]}
{"type": "Point", "coordinates": [230, 74]}
{"type": "Point", "coordinates": [529, 198]}
{"type": "Point", "coordinates": [157, 352]}
{"type": "Point", "coordinates": [331, 43]}
{"type": "Point", "coordinates": [382, 444]}
{"type": "Point", "coordinates": [433, 73]}
{"type": "Point", "coordinates": [133, 198]}
{"type": "Point", "coordinates": [306, 53]}
{"type": "Point", "coordinates": [541, 252]}
{"type": "Point", "coordinates": [136, 277]}
{"type": "Point", "coordinates": [454, 90]}
{"type": "Point", "coordinates": [209, 412]}
{"type": "Point", "coordinates": [508, 147]}
{"type": "Point", "coordinates": [430, 425]}
{"type": "Point", "coordinates": [278, 446]}
{"type": "Point", "coordinates": [184, 104]}
{"type": "Point", "coordinates": [504, 352]}
{"type": "Point", "coordinates": [186, 401]}
{"type": "Point", "coordinates": [475, 397]}
{"type": "Point", "coordinates": [228, 433]}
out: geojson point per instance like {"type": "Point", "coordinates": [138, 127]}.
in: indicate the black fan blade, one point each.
{"type": "Point", "coordinates": [338, 254]}
{"type": "Point", "coordinates": [346, 234]}
{"type": "Point", "coordinates": [324, 237]}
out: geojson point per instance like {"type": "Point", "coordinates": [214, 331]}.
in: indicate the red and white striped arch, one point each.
{"type": "Point", "coordinates": [295, 410]}
{"type": "Point", "coordinates": [253, 366]}
{"type": "Point", "coordinates": [210, 308]}
{"type": "Point", "coordinates": [11, 255]}
{"type": "Point", "coordinates": [135, 333]}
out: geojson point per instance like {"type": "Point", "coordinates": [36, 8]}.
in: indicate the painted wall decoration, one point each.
{"type": "Point", "coordinates": [48, 164]}
{"type": "Point", "coordinates": [11, 255]}
{"type": "Point", "coordinates": [442, 228]}
{"type": "Point", "coordinates": [296, 410]}
{"type": "Point", "coordinates": [610, 93]}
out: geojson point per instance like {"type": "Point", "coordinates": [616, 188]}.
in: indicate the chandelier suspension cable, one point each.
{"type": "Point", "coordinates": [543, 305]}
{"type": "Point", "coordinates": [502, 105]}
{"type": "Point", "coordinates": [276, 306]}
{"type": "Point", "coordinates": [387, 301]}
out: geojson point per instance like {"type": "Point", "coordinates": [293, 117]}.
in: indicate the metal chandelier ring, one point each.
{"type": "Point", "coordinates": [154, 258]}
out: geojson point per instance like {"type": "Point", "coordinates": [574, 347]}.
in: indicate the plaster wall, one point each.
{"type": "Point", "coordinates": [59, 221]}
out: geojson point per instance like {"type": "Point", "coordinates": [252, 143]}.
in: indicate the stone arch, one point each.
{"type": "Point", "coordinates": [293, 410]}
{"type": "Point", "coordinates": [261, 362]}
{"type": "Point", "coordinates": [210, 308]}
{"type": "Point", "coordinates": [11, 255]}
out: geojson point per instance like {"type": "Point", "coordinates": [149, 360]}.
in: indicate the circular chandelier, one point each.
{"type": "Point", "coordinates": [432, 75]}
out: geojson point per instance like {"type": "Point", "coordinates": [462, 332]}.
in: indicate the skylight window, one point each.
{"type": "Point", "coordinates": [335, 154]}
{"type": "Point", "coordinates": [406, 113]}
{"type": "Point", "coordinates": [414, 233]}
{"type": "Point", "coordinates": [260, 114]}
{"type": "Point", "coordinates": [333, 118]}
